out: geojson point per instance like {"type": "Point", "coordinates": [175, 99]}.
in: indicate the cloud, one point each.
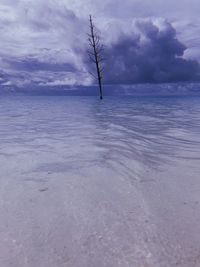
{"type": "Point", "coordinates": [44, 41]}
{"type": "Point", "coordinates": [41, 36]}
{"type": "Point", "coordinates": [44, 30]}
{"type": "Point", "coordinates": [150, 53]}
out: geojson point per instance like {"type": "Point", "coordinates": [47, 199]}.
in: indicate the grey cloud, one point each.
{"type": "Point", "coordinates": [45, 30]}
{"type": "Point", "coordinates": [152, 55]}
{"type": "Point", "coordinates": [48, 38]}
{"type": "Point", "coordinates": [40, 36]}
{"type": "Point", "coordinates": [33, 65]}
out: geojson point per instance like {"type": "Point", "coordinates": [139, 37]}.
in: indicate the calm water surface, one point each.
{"type": "Point", "coordinates": [96, 183]}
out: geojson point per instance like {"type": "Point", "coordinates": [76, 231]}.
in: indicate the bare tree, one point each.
{"type": "Point", "coordinates": [95, 53]}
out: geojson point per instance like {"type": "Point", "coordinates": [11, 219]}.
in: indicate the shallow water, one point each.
{"type": "Point", "coordinates": [96, 183]}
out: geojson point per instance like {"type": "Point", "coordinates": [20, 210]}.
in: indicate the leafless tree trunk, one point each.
{"type": "Point", "coordinates": [95, 53]}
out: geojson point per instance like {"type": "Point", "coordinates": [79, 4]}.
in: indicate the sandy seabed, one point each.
{"type": "Point", "coordinates": [90, 184]}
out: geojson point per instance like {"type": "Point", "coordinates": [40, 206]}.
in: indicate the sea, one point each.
{"type": "Point", "coordinates": [111, 183]}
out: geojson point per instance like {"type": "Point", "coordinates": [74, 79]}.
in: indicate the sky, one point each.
{"type": "Point", "coordinates": [44, 42]}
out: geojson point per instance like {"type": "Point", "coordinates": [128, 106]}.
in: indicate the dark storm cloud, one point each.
{"type": "Point", "coordinates": [152, 55]}
{"type": "Point", "coordinates": [43, 41]}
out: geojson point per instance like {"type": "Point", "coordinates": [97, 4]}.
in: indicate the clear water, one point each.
{"type": "Point", "coordinates": [96, 183]}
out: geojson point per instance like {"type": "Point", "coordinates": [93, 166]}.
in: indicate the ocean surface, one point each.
{"type": "Point", "coordinates": [90, 183]}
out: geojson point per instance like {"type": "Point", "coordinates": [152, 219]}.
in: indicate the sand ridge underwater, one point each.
{"type": "Point", "coordinates": [88, 183]}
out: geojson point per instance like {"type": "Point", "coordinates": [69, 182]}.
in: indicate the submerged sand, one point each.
{"type": "Point", "coordinates": [111, 184]}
